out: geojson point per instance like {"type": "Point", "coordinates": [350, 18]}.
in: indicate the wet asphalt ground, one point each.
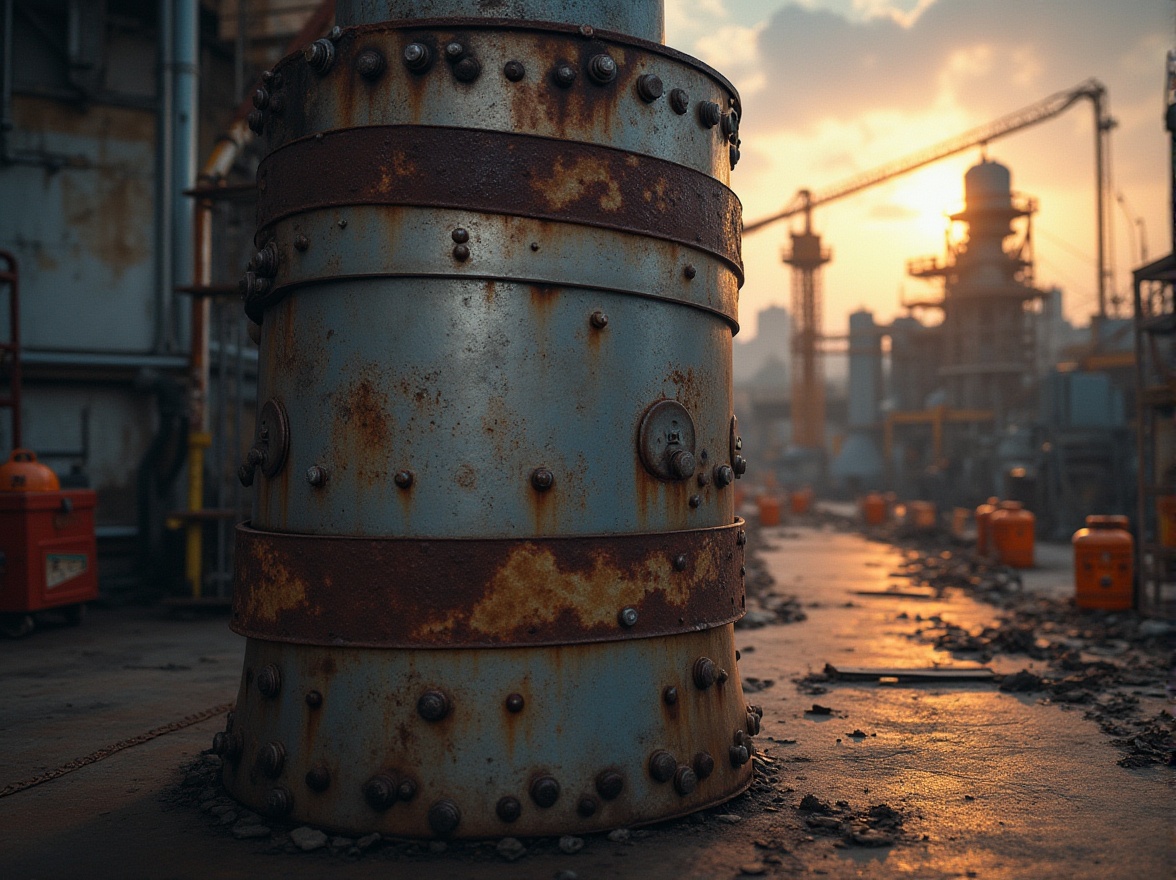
{"type": "Point", "coordinates": [855, 779]}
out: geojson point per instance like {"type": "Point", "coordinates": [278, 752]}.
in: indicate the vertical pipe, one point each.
{"type": "Point", "coordinates": [199, 438]}
{"type": "Point", "coordinates": [163, 182]}
{"type": "Point", "coordinates": [1100, 130]}
{"type": "Point", "coordinates": [6, 85]}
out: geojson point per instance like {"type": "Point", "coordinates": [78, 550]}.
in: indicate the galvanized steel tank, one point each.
{"type": "Point", "coordinates": [491, 575]}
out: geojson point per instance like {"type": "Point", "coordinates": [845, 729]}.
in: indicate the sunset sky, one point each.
{"type": "Point", "coordinates": [835, 87]}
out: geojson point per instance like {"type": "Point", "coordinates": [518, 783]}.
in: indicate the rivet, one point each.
{"type": "Point", "coordinates": [301, 242]}
{"type": "Point", "coordinates": [704, 673]}
{"type": "Point", "coordinates": [722, 676]}
{"type": "Point", "coordinates": [741, 538]}
{"type": "Point", "coordinates": [753, 724]}
{"type": "Point", "coordinates": [433, 705]}
{"type": "Point", "coordinates": [662, 766]}
{"type": "Point", "coordinates": [467, 69]}
{"type": "Point", "coordinates": [515, 703]}
{"type": "Point", "coordinates": [514, 71]}
{"type": "Point", "coordinates": [545, 791]}
{"type": "Point", "coordinates": [342, 224]}
{"type": "Point", "coordinates": [278, 802]}
{"type": "Point", "coordinates": [380, 791]}
{"type": "Point", "coordinates": [602, 69]}
{"type": "Point", "coordinates": [730, 123]}
{"type": "Point", "coordinates": [685, 780]}
{"type": "Point", "coordinates": [565, 75]}
{"type": "Point", "coordinates": [316, 475]}
{"type": "Point", "coordinates": [271, 758]}
{"type": "Point", "coordinates": [269, 681]}
{"type": "Point", "coordinates": [403, 479]}
{"type": "Point", "coordinates": [454, 51]}
{"type": "Point", "coordinates": [277, 105]}
{"type": "Point", "coordinates": [724, 476]}
{"type": "Point", "coordinates": [370, 63]}
{"type": "Point", "coordinates": [314, 699]}
{"type": "Point", "coordinates": [679, 101]}
{"type": "Point", "coordinates": [733, 156]}
{"type": "Point", "coordinates": [680, 562]}
{"type": "Point", "coordinates": [709, 113]}
{"type": "Point", "coordinates": [704, 765]}
{"type": "Point", "coordinates": [740, 738]}
{"type": "Point", "coordinates": [318, 778]}
{"type": "Point", "coordinates": [670, 694]}
{"type": "Point", "coordinates": [417, 57]}
{"type": "Point", "coordinates": [609, 784]}
{"type": "Point", "coordinates": [335, 33]}
{"type": "Point", "coordinates": [508, 809]}
{"type": "Point", "coordinates": [267, 76]}
{"type": "Point", "coordinates": [598, 319]}
{"type": "Point", "coordinates": [586, 806]}
{"type": "Point", "coordinates": [587, 31]}
{"type": "Point", "coordinates": [460, 235]}
{"type": "Point", "coordinates": [261, 99]}
{"type": "Point", "coordinates": [461, 252]}
{"type": "Point", "coordinates": [649, 87]}
{"type": "Point", "coordinates": [627, 616]}
{"type": "Point", "coordinates": [695, 500]}
{"type": "Point", "coordinates": [320, 55]}
{"type": "Point", "coordinates": [444, 817]}
{"type": "Point", "coordinates": [256, 121]}
{"type": "Point", "coordinates": [534, 245]}
{"type": "Point", "coordinates": [738, 755]}
{"type": "Point", "coordinates": [542, 479]}
{"type": "Point", "coordinates": [407, 790]}
{"type": "Point", "coordinates": [742, 570]}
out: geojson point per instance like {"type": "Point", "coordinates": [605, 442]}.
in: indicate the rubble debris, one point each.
{"type": "Point", "coordinates": [1021, 682]}
{"type": "Point", "coordinates": [308, 839]}
{"type": "Point", "coordinates": [818, 709]}
{"type": "Point", "coordinates": [570, 845]}
{"type": "Point", "coordinates": [933, 673]}
{"type": "Point", "coordinates": [511, 848]}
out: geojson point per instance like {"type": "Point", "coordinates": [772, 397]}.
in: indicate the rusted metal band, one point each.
{"type": "Point", "coordinates": [497, 172]}
{"type": "Point", "coordinates": [405, 593]}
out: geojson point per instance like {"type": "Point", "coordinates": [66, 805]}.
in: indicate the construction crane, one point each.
{"type": "Point", "coordinates": [807, 255]}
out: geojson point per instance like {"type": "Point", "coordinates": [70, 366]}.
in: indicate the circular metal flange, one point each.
{"type": "Point", "coordinates": [273, 436]}
{"type": "Point", "coordinates": [666, 441]}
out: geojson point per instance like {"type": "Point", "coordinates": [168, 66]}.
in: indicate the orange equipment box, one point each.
{"type": "Point", "coordinates": [48, 553]}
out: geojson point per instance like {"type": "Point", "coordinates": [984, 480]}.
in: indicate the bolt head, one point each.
{"type": "Point", "coordinates": [740, 463]}
{"type": "Point", "coordinates": [724, 475]}
{"type": "Point", "coordinates": [433, 705]}
{"type": "Point", "coordinates": [586, 806]}
{"type": "Point", "coordinates": [741, 538]}
{"type": "Point", "coordinates": [380, 791]}
{"type": "Point", "coordinates": [269, 681]}
{"type": "Point", "coordinates": [690, 271]}
{"type": "Point", "coordinates": [662, 766]}
{"type": "Point", "coordinates": [738, 755]}
{"type": "Point", "coordinates": [679, 101]}
{"type": "Point", "coordinates": [685, 780]}
{"type": "Point", "coordinates": [722, 677]}
{"type": "Point", "coordinates": [515, 703]}
{"type": "Point", "coordinates": [278, 802]}
{"type": "Point", "coordinates": [704, 673]}
{"type": "Point", "coordinates": [461, 252]}
{"type": "Point", "coordinates": [460, 235]}
{"type": "Point", "coordinates": [704, 765]}
{"type": "Point", "coordinates": [314, 699]}
{"type": "Point", "coordinates": [542, 479]}
{"type": "Point", "coordinates": [649, 87]}
{"type": "Point", "coordinates": [709, 113]}
{"type": "Point", "coordinates": [417, 56]}
{"type": "Point", "coordinates": [320, 55]}
{"type": "Point", "coordinates": [695, 501]}
{"type": "Point", "coordinates": [444, 817]}
{"type": "Point", "coordinates": [627, 616]}
{"type": "Point", "coordinates": [318, 778]}
{"type": "Point", "coordinates": [609, 784]}
{"type": "Point", "coordinates": [680, 562]}
{"type": "Point", "coordinates": [565, 76]}
{"type": "Point", "coordinates": [301, 242]}
{"type": "Point", "coordinates": [514, 71]}
{"type": "Point", "coordinates": [670, 695]}
{"type": "Point", "coordinates": [730, 123]}
{"type": "Point", "coordinates": [598, 319]}
{"type": "Point", "coordinates": [261, 99]}
{"type": "Point", "coordinates": [370, 64]}
{"type": "Point", "coordinates": [271, 758]}
{"type": "Point", "coordinates": [407, 790]}
{"type": "Point", "coordinates": [753, 724]}
{"type": "Point", "coordinates": [454, 50]}
{"type": "Point", "coordinates": [316, 475]}
{"type": "Point", "coordinates": [602, 68]}
{"type": "Point", "coordinates": [508, 809]}
{"type": "Point", "coordinates": [733, 155]}
{"type": "Point", "coordinates": [682, 464]}
{"type": "Point", "coordinates": [256, 121]}
{"type": "Point", "coordinates": [403, 479]}
{"type": "Point", "coordinates": [545, 791]}
{"type": "Point", "coordinates": [467, 69]}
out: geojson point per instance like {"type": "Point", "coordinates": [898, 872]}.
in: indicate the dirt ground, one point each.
{"type": "Point", "coordinates": [1061, 774]}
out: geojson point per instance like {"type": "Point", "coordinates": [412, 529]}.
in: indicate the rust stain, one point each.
{"type": "Point", "coordinates": [108, 212]}
{"type": "Point", "coordinates": [288, 591]}
{"type": "Point", "coordinates": [570, 183]}
{"type": "Point", "coordinates": [466, 477]}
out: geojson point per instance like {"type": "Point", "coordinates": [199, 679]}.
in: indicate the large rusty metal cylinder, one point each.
{"type": "Point", "coordinates": [493, 566]}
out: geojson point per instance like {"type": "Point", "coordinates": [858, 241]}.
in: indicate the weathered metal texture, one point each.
{"type": "Point", "coordinates": [641, 19]}
{"type": "Point", "coordinates": [504, 722]}
{"type": "Point", "coordinates": [493, 563]}
{"type": "Point", "coordinates": [407, 593]}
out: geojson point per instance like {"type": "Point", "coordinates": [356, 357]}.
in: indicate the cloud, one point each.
{"type": "Point", "coordinates": [991, 56]}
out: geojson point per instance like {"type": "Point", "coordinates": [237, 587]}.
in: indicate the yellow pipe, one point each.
{"type": "Point", "coordinates": [193, 563]}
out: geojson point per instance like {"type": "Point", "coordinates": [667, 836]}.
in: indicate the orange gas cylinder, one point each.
{"type": "Point", "coordinates": [922, 515]}
{"type": "Point", "coordinates": [983, 517]}
{"type": "Point", "coordinates": [769, 509]}
{"type": "Point", "coordinates": [23, 473]}
{"type": "Point", "coordinates": [1166, 520]}
{"type": "Point", "coordinates": [1011, 533]}
{"type": "Point", "coordinates": [874, 509]}
{"type": "Point", "coordinates": [1104, 564]}
{"type": "Point", "coordinates": [801, 500]}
